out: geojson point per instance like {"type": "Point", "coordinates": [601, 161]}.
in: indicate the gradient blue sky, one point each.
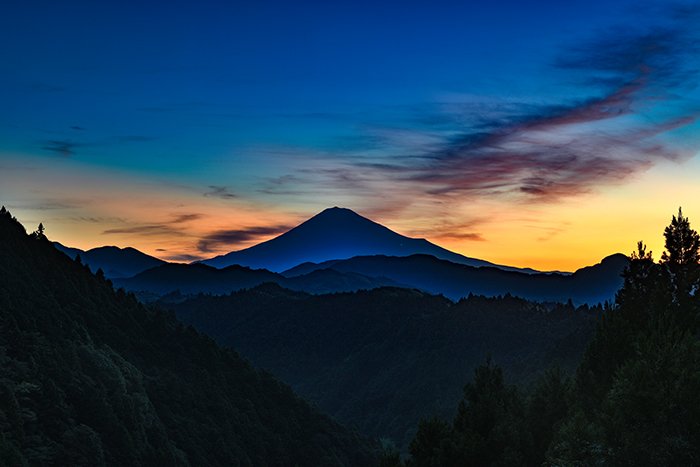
{"type": "Point", "coordinates": [162, 125]}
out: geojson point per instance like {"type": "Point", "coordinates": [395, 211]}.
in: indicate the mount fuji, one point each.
{"type": "Point", "coordinates": [338, 233]}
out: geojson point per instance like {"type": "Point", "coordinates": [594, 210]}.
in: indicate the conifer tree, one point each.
{"type": "Point", "coordinates": [39, 232]}
{"type": "Point", "coordinates": [682, 242]}
{"type": "Point", "coordinates": [681, 259]}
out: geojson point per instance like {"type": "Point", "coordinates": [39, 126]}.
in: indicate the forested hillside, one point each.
{"type": "Point", "coordinates": [381, 360]}
{"type": "Point", "coordinates": [88, 376]}
{"type": "Point", "coordinates": [634, 400]}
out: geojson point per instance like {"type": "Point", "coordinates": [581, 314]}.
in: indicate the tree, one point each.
{"type": "Point", "coordinates": [547, 408]}
{"type": "Point", "coordinates": [651, 415]}
{"type": "Point", "coordinates": [681, 263]}
{"type": "Point", "coordinates": [431, 445]}
{"type": "Point", "coordinates": [682, 242]}
{"type": "Point", "coordinates": [39, 232]}
{"type": "Point", "coordinates": [636, 394]}
{"type": "Point", "coordinates": [645, 288]}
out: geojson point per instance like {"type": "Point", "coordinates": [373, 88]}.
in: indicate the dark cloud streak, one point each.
{"type": "Point", "coordinates": [183, 258]}
{"type": "Point", "coordinates": [219, 238]}
{"type": "Point", "coordinates": [217, 191]}
{"type": "Point", "coordinates": [146, 229]}
{"type": "Point", "coordinates": [181, 218]}
{"type": "Point", "coordinates": [549, 152]}
{"type": "Point", "coordinates": [61, 147]}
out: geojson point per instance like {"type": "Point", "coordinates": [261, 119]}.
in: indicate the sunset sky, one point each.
{"type": "Point", "coordinates": [546, 134]}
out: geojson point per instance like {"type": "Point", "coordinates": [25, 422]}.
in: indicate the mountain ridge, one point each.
{"type": "Point", "coordinates": [201, 278]}
{"type": "Point", "coordinates": [338, 233]}
{"type": "Point", "coordinates": [114, 261]}
{"type": "Point", "coordinates": [592, 284]}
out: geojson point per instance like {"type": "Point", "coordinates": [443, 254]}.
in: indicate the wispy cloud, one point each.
{"type": "Point", "coordinates": [96, 219]}
{"type": "Point", "coordinates": [217, 191]}
{"type": "Point", "coordinates": [63, 148]}
{"type": "Point", "coordinates": [50, 205]}
{"type": "Point", "coordinates": [628, 105]}
{"type": "Point", "coordinates": [471, 236]}
{"type": "Point", "coordinates": [66, 147]}
{"type": "Point", "coordinates": [167, 227]}
{"type": "Point", "coordinates": [188, 217]}
{"type": "Point", "coordinates": [542, 153]}
{"type": "Point", "coordinates": [144, 229]}
{"type": "Point", "coordinates": [569, 149]}
{"type": "Point", "coordinates": [451, 230]}
{"type": "Point", "coordinates": [183, 258]}
{"type": "Point", "coordinates": [227, 238]}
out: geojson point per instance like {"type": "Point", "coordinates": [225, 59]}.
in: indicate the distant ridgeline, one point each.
{"type": "Point", "coordinates": [634, 400]}
{"type": "Point", "coordinates": [340, 251]}
{"type": "Point", "coordinates": [115, 262]}
{"type": "Point", "coordinates": [88, 376]}
{"type": "Point", "coordinates": [591, 285]}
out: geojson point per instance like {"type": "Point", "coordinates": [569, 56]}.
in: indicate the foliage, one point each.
{"type": "Point", "coordinates": [496, 424]}
{"type": "Point", "coordinates": [682, 243]}
{"type": "Point", "coordinates": [88, 376]}
{"type": "Point", "coordinates": [381, 360]}
{"type": "Point", "coordinates": [635, 399]}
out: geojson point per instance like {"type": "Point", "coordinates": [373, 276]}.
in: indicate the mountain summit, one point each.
{"type": "Point", "coordinates": [336, 233]}
{"type": "Point", "coordinates": [115, 262]}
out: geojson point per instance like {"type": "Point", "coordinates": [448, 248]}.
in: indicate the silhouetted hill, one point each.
{"type": "Point", "coordinates": [329, 281]}
{"type": "Point", "coordinates": [590, 285]}
{"type": "Point", "coordinates": [200, 278]}
{"type": "Point", "coordinates": [115, 262]}
{"type": "Point", "coordinates": [196, 278]}
{"type": "Point", "coordinates": [336, 233]}
{"type": "Point", "coordinates": [88, 376]}
{"type": "Point", "coordinates": [70, 251]}
{"type": "Point", "coordinates": [381, 360]}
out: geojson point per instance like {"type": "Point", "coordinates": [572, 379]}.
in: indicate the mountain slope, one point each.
{"type": "Point", "coordinates": [381, 360]}
{"type": "Point", "coordinates": [590, 285]}
{"type": "Point", "coordinates": [336, 233]}
{"type": "Point", "coordinates": [90, 377]}
{"type": "Point", "coordinates": [115, 262]}
{"type": "Point", "coordinates": [200, 278]}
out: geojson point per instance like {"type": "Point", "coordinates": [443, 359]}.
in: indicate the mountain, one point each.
{"type": "Point", "coordinates": [115, 262]}
{"type": "Point", "coordinates": [195, 278]}
{"type": "Point", "coordinates": [323, 281]}
{"type": "Point", "coordinates": [593, 284]}
{"type": "Point", "coordinates": [70, 251]}
{"type": "Point", "coordinates": [337, 233]}
{"type": "Point", "coordinates": [382, 360]}
{"type": "Point", "coordinates": [200, 278]}
{"type": "Point", "coordinates": [88, 376]}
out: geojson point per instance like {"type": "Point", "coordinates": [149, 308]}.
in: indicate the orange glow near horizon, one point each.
{"type": "Point", "coordinates": [89, 207]}
{"type": "Point", "coordinates": [550, 150]}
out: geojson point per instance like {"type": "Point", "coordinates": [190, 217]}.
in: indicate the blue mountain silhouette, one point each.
{"type": "Point", "coordinates": [115, 262]}
{"type": "Point", "coordinates": [338, 233]}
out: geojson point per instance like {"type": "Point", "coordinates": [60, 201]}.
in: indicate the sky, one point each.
{"type": "Point", "coordinates": [541, 134]}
